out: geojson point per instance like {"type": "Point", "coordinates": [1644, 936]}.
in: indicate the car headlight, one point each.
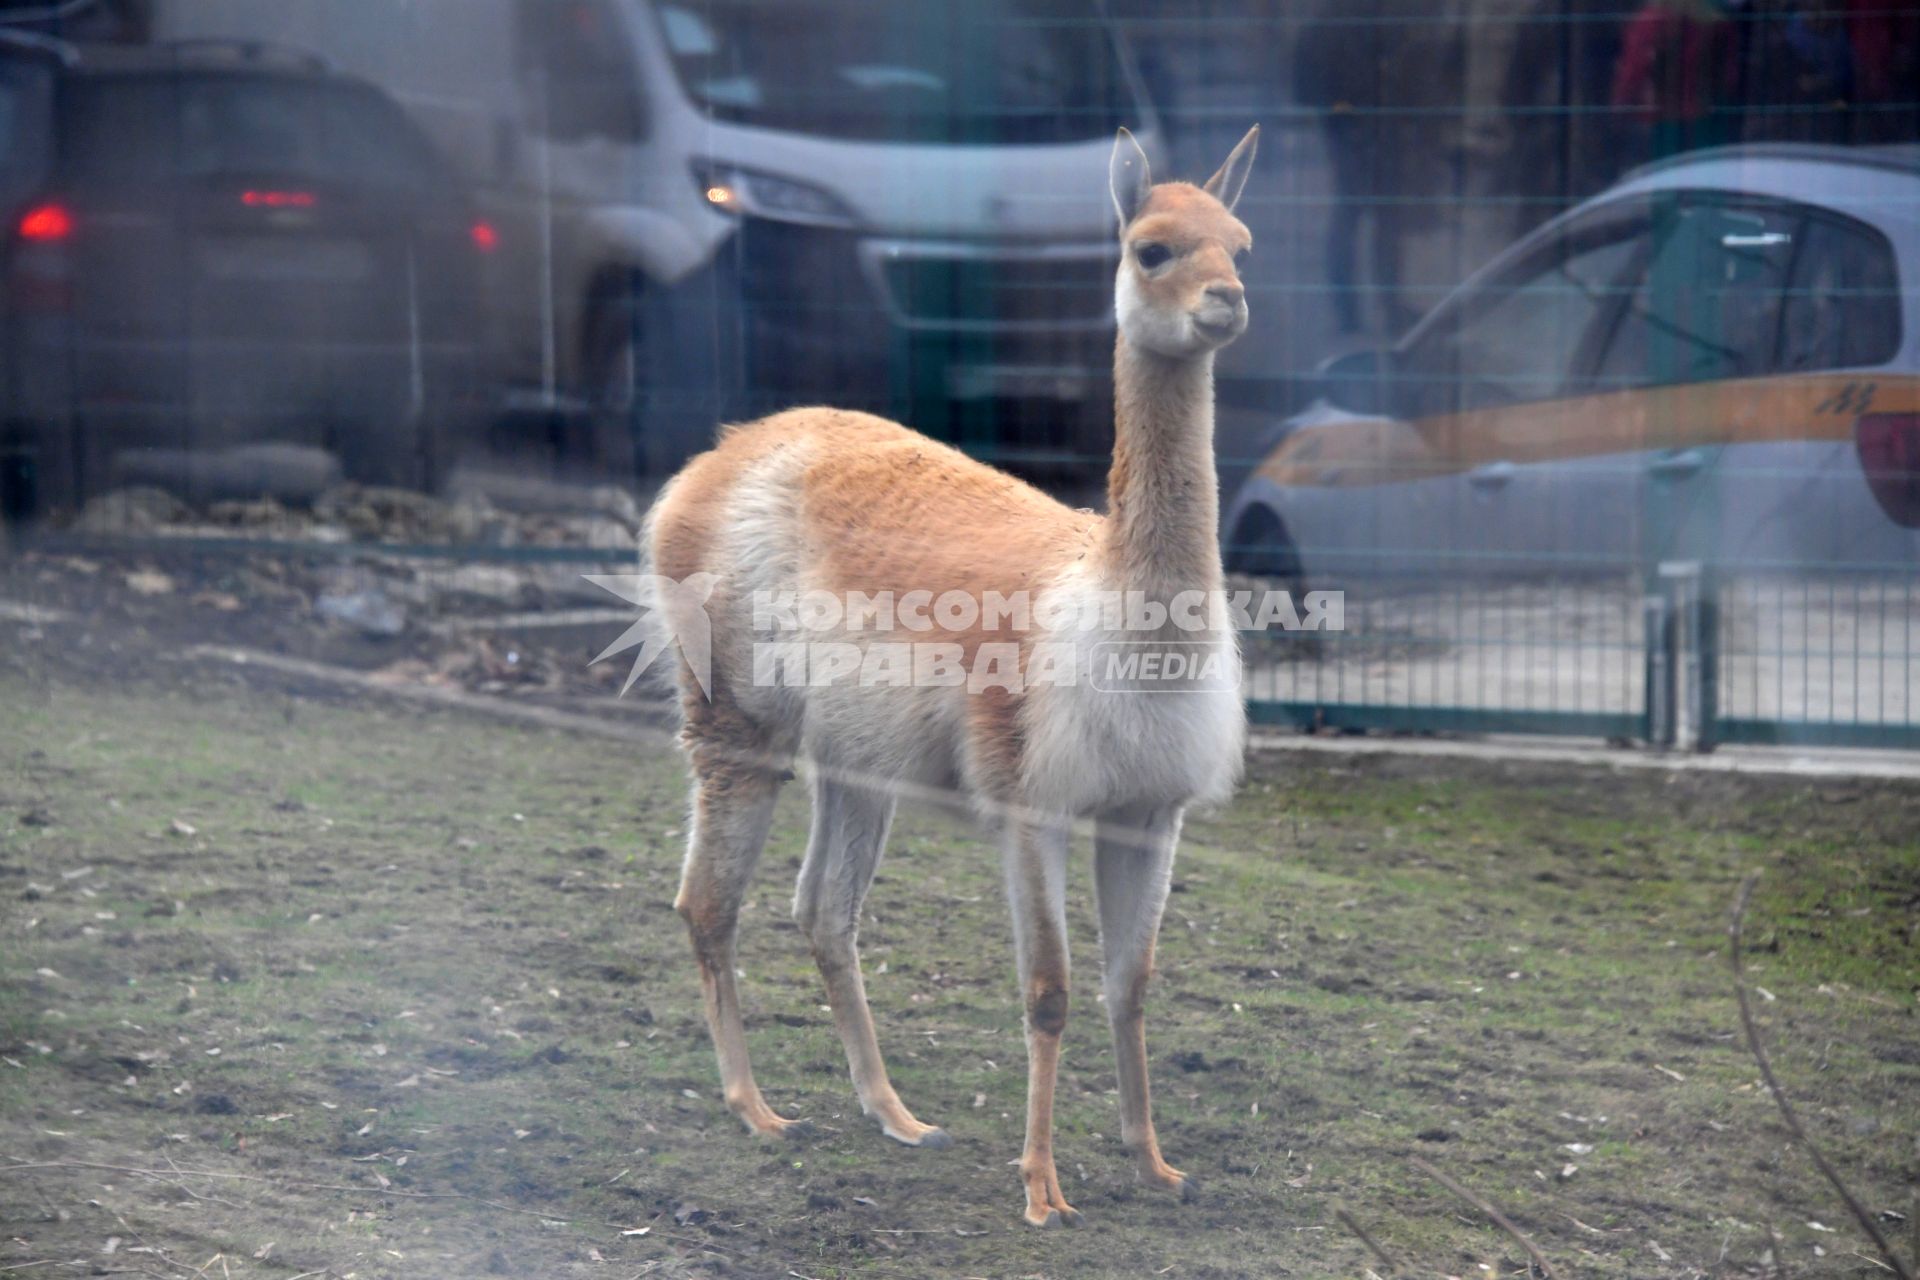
{"type": "Point", "coordinates": [746, 191]}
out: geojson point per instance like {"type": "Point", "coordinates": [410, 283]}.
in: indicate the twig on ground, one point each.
{"type": "Point", "coordinates": [1735, 929]}
{"type": "Point", "coordinates": [1779, 1253]}
{"type": "Point", "coordinates": [190, 1193]}
{"type": "Point", "coordinates": [141, 1245]}
{"type": "Point", "coordinates": [1499, 1219]}
{"type": "Point", "coordinates": [1352, 1224]}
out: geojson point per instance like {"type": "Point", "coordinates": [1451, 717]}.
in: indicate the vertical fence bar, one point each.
{"type": "Point", "coordinates": [1659, 671]}
{"type": "Point", "coordinates": [1707, 642]}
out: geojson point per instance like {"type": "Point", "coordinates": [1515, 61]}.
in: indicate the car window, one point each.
{"type": "Point", "coordinates": [1843, 305]}
{"type": "Point", "coordinates": [152, 126]}
{"type": "Point", "coordinates": [1709, 304]}
{"type": "Point", "coordinates": [26, 88]}
{"type": "Point", "coordinates": [1530, 334]}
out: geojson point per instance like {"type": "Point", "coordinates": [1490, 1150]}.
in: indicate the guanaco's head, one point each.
{"type": "Point", "coordinates": [1179, 290]}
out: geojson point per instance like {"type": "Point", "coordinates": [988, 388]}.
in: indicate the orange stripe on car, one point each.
{"type": "Point", "coordinates": [1371, 451]}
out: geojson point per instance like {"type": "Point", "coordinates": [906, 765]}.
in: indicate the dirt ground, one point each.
{"type": "Point", "coordinates": [307, 982]}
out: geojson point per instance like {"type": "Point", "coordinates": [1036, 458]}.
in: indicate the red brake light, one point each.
{"type": "Point", "coordinates": [278, 199]}
{"type": "Point", "coordinates": [485, 238]}
{"type": "Point", "coordinates": [1889, 445]}
{"type": "Point", "coordinates": [46, 222]}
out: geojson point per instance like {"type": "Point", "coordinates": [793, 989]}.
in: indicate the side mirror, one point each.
{"type": "Point", "coordinates": [1357, 381]}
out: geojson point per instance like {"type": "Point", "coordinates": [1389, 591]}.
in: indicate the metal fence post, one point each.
{"type": "Point", "coordinates": [1691, 639]}
{"type": "Point", "coordinates": [1659, 676]}
{"type": "Point", "coordinates": [1707, 699]}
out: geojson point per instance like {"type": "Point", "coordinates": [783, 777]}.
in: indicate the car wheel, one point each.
{"type": "Point", "coordinates": [1260, 547]}
{"type": "Point", "coordinates": [383, 454]}
{"type": "Point", "coordinates": [446, 429]}
{"type": "Point", "coordinates": [37, 472]}
{"type": "Point", "coordinates": [667, 369]}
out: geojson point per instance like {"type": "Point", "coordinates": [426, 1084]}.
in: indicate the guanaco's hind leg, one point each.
{"type": "Point", "coordinates": [849, 831]}
{"type": "Point", "coordinates": [732, 809]}
{"type": "Point", "coordinates": [1133, 867]}
{"type": "Point", "coordinates": [1036, 867]}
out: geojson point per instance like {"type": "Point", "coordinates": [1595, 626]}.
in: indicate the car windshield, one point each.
{"type": "Point", "coordinates": [162, 124]}
{"type": "Point", "coordinates": [1022, 71]}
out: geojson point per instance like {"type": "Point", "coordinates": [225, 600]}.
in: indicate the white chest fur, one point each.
{"type": "Point", "coordinates": [1152, 715]}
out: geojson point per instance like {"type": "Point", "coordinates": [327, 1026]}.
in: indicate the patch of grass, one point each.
{"type": "Point", "coordinates": [458, 1030]}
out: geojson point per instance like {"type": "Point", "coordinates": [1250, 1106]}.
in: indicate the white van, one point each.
{"type": "Point", "coordinates": [706, 209]}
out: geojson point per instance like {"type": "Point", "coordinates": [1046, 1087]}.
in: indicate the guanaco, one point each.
{"type": "Point", "coordinates": [821, 499]}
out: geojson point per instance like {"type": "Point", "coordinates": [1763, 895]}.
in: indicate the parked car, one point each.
{"type": "Point", "coordinates": [1716, 359]}
{"type": "Point", "coordinates": [211, 246]}
{"type": "Point", "coordinates": [715, 209]}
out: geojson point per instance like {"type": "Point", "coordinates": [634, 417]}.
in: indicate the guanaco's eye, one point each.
{"type": "Point", "coordinates": [1151, 255]}
{"type": "Point", "coordinates": [1240, 259]}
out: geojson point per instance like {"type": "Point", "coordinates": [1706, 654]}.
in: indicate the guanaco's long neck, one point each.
{"type": "Point", "coordinates": [1163, 500]}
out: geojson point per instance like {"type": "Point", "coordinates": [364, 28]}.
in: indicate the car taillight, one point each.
{"type": "Point", "coordinates": [46, 222]}
{"type": "Point", "coordinates": [1889, 445]}
{"type": "Point", "coordinates": [40, 270]}
{"type": "Point", "coordinates": [278, 199]}
{"type": "Point", "coordinates": [485, 238]}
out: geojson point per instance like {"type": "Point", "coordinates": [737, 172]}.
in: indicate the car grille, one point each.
{"type": "Point", "coordinates": [1046, 292]}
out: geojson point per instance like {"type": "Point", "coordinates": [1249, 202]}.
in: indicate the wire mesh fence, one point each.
{"type": "Point", "coordinates": [1692, 655]}
{"type": "Point", "coordinates": [1439, 656]}
{"type": "Point", "coordinates": [1802, 657]}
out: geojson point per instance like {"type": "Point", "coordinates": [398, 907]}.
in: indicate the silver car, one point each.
{"type": "Point", "coordinates": [1716, 359]}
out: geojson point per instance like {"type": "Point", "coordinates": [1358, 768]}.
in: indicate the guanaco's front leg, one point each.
{"type": "Point", "coordinates": [1133, 867]}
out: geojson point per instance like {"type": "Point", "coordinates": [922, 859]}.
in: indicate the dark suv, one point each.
{"type": "Point", "coordinates": [210, 246]}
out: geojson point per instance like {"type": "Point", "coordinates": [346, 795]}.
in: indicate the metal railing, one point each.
{"type": "Point", "coordinates": [1687, 657]}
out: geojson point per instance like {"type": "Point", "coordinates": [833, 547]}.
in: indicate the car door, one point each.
{"type": "Point", "coordinates": [1500, 387]}
{"type": "Point", "coordinates": [1799, 494]}
{"type": "Point", "coordinates": [1700, 327]}
{"type": "Point", "coordinates": [1758, 338]}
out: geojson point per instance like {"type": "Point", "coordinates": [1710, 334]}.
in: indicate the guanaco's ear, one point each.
{"type": "Point", "coordinates": [1226, 185]}
{"type": "Point", "coordinates": [1128, 177]}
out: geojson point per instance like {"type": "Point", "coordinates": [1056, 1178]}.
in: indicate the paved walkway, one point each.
{"type": "Point", "coordinates": [1783, 761]}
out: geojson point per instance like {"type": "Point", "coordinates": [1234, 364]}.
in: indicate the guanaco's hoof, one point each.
{"type": "Point", "coordinates": [934, 1139]}
{"type": "Point", "coordinates": [800, 1131]}
{"type": "Point", "coordinates": [1189, 1189]}
{"type": "Point", "coordinates": [1056, 1218]}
